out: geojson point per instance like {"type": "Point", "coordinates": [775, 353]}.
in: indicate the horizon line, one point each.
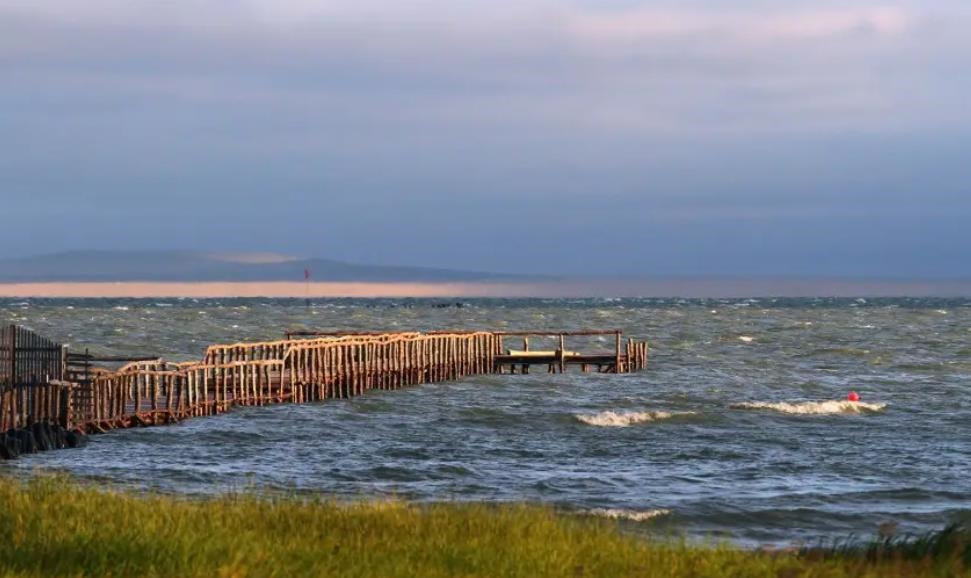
{"type": "Point", "coordinates": [709, 287]}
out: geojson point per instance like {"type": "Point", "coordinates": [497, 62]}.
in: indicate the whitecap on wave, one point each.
{"type": "Point", "coordinates": [625, 418]}
{"type": "Point", "coordinates": [813, 407]}
{"type": "Point", "coordinates": [633, 515]}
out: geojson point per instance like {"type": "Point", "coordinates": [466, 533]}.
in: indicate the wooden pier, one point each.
{"type": "Point", "coordinates": [69, 392]}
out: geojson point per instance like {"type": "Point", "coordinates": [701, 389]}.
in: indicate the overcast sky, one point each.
{"type": "Point", "coordinates": [622, 137]}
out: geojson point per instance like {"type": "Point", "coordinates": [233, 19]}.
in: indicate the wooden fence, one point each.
{"type": "Point", "coordinates": [31, 369]}
{"type": "Point", "coordinates": [26, 357]}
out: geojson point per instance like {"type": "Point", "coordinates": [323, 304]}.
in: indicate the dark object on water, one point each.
{"type": "Point", "coordinates": [28, 445]}
{"type": "Point", "coordinates": [74, 440]}
{"type": "Point", "coordinates": [39, 437]}
{"type": "Point", "coordinates": [41, 432]}
{"type": "Point", "coordinates": [9, 445]}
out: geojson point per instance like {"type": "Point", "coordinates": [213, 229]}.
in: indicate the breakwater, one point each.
{"type": "Point", "coordinates": [304, 367]}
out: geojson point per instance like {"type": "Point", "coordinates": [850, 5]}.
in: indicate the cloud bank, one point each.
{"type": "Point", "coordinates": [814, 138]}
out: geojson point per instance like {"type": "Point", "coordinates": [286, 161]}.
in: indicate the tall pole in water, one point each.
{"type": "Point", "coordinates": [306, 286]}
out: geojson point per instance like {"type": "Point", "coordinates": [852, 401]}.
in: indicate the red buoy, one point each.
{"type": "Point", "coordinates": [853, 396]}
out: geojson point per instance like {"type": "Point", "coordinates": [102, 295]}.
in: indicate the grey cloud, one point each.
{"type": "Point", "coordinates": [440, 134]}
{"type": "Point", "coordinates": [665, 82]}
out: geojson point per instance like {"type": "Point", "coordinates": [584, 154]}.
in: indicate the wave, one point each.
{"type": "Point", "coordinates": [813, 407]}
{"type": "Point", "coordinates": [626, 418]}
{"type": "Point", "coordinates": [632, 515]}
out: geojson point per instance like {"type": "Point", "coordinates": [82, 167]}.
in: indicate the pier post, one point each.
{"type": "Point", "coordinates": [617, 360]}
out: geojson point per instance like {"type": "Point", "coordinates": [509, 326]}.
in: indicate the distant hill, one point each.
{"type": "Point", "coordinates": [107, 266]}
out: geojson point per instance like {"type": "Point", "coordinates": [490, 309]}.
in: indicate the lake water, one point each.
{"type": "Point", "coordinates": [737, 429]}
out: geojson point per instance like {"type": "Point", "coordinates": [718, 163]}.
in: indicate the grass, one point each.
{"type": "Point", "coordinates": [57, 527]}
{"type": "Point", "coordinates": [952, 543]}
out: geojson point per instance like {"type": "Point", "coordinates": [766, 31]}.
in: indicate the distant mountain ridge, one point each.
{"type": "Point", "coordinates": [188, 266]}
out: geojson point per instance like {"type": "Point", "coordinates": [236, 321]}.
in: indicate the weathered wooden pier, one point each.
{"type": "Point", "coordinates": [41, 382]}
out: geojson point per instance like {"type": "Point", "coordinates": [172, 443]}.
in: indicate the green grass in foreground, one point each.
{"type": "Point", "coordinates": [55, 527]}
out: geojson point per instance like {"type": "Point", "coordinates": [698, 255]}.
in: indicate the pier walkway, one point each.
{"type": "Point", "coordinates": [43, 383]}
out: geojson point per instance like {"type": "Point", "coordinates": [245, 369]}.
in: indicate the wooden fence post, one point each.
{"type": "Point", "coordinates": [64, 419]}
{"type": "Point", "coordinates": [12, 354]}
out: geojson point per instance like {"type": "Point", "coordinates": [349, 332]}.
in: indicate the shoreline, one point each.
{"type": "Point", "coordinates": [566, 288]}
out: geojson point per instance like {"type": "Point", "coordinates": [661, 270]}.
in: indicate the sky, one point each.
{"type": "Point", "coordinates": [609, 137]}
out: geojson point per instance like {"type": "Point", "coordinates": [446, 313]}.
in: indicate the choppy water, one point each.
{"type": "Point", "coordinates": [738, 428]}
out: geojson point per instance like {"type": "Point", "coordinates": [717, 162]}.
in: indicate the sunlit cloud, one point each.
{"type": "Point", "coordinates": [738, 25]}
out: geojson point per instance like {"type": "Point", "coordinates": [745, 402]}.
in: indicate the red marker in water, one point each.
{"type": "Point", "coordinates": [853, 396]}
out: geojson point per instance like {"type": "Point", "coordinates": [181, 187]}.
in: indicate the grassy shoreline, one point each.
{"type": "Point", "coordinates": [52, 526]}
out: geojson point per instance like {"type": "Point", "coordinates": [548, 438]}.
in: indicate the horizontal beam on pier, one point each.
{"type": "Point", "coordinates": [581, 332]}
